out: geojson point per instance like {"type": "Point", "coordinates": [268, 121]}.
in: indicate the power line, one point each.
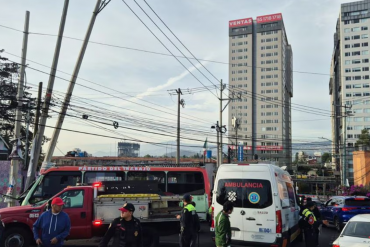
{"type": "Point", "coordinates": [115, 90]}
{"type": "Point", "coordinates": [166, 47]}
{"type": "Point", "coordinates": [159, 53]}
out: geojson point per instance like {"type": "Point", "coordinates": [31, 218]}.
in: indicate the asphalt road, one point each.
{"type": "Point", "coordinates": [327, 237]}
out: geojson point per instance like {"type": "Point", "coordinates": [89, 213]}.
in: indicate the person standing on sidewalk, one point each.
{"type": "Point", "coordinates": [222, 225]}
{"type": "Point", "coordinates": [54, 225]}
{"type": "Point", "coordinates": [125, 230]}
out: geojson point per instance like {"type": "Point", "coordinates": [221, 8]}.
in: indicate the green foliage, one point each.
{"type": "Point", "coordinates": [364, 139]}
{"type": "Point", "coordinates": [326, 157]}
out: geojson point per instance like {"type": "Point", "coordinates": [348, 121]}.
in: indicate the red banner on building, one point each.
{"type": "Point", "coordinates": [244, 147]}
{"type": "Point", "coordinates": [241, 22]}
{"type": "Point", "coordinates": [269, 148]}
{"type": "Point", "coordinates": [269, 18]}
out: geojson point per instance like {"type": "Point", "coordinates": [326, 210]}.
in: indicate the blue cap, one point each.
{"type": "Point", "coordinates": [187, 198]}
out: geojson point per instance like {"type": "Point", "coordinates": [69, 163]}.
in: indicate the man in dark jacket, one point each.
{"type": "Point", "coordinates": [54, 225]}
{"type": "Point", "coordinates": [189, 227]}
{"type": "Point", "coordinates": [125, 230]}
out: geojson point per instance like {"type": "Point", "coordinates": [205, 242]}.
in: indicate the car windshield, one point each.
{"type": "Point", "coordinates": [357, 229]}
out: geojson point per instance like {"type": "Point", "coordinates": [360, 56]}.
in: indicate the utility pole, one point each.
{"type": "Point", "coordinates": [218, 145]}
{"type": "Point", "coordinates": [345, 145]}
{"type": "Point", "coordinates": [39, 131]}
{"type": "Point", "coordinates": [98, 7]}
{"type": "Point", "coordinates": [14, 166]}
{"type": "Point", "coordinates": [27, 132]}
{"type": "Point", "coordinates": [221, 148]}
{"type": "Point", "coordinates": [31, 175]}
{"type": "Point", "coordinates": [179, 102]}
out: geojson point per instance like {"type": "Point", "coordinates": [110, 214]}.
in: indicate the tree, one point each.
{"type": "Point", "coordinates": [147, 156]}
{"type": "Point", "coordinates": [326, 157]}
{"type": "Point", "coordinates": [8, 105]}
{"type": "Point", "coordinates": [364, 139]}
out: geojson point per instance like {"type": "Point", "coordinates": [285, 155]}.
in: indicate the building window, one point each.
{"type": "Point", "coordinates": [347, 30]}
{"type": "Point", "coordinates": [355, 29]}
{"type": "Point", "coordinates": [366, 94]}
{"type": "Point", "coordinates": [366, 77]}
{"type": "Point", "coordinates": [347, 70]}
{"type": "Point", "coordinates": [364, 28]}
{"type": "Point", "coordinates": [356, 78]}
{"type": "Point", "coordinates": [356, 85]}
{"type": "Point", "coordinates": [365, 85]}
{"type": "Point", "coordinates": [365, 44]}
{"type": "Point", "coordinates": [357, 94]}
{"type": "Point", "coordinates": [348, 78]}
{"type": "Point", "coordinates": [358, 119]}
{"type": "Point", "coordinates": [364, 36]}
{"type": "Point", "coordinates": [356, 37]}
{"type": "Point", "coordinates": [365, 68]}
{"type": "Point", "coordinates": [347, 46]}
{"type": "Point", "coordinates": [356, 45]}
{"type": "Point", "coordinates": [347, 54]}
{"type": "Point", "coordinates": [345, 62]}
{"type": "Point", "coordinates": [356, 61]}
{"type": "Point", "coordinates": [358, 69]}
{"type": "Point", "coordinates": [347, 38]}
{"type": "Point", "coordinates": [356, 53]}
{"type": "Point", "coordinates": [365, 52]}
{"type": "Point", "coordinates": [366, 60]}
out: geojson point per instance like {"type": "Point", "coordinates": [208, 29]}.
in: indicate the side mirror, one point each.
{"type": "Point", "coordinates": [285, 203]}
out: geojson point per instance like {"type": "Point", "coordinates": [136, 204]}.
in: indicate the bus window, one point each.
{"type": "Point", "coordinates": [92, 177]}
{"type": "Point", "coordinates": [180, 183]}
{"type": "Point", "coordinates": [160, 177]}
{"type": "Point", "coordinates": [54, 182]}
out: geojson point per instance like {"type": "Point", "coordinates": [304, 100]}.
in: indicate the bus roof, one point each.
{"type": "Point", "coordinates": [124, 168]}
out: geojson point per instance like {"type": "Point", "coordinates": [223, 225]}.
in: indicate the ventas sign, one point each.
{"type": "Point", "coordinates": [241, 22]}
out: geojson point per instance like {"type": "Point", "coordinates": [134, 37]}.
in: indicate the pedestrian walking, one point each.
{"type": "Point", "coordinates": [222, 225]}
{"type": "Point", "coordinates": [54, 225]}
{"type": "Point", "coordinates": [125, 230]}
{"type": "Point", "coordinates": [189, 222]}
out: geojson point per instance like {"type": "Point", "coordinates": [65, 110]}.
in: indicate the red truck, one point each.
{"type": "Point", "coordinates": [91, 215]}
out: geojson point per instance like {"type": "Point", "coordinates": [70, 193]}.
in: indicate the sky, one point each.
{"type": "Point", "coordinates": [135, 83]}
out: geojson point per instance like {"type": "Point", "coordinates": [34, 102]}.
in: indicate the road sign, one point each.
{"type": "Point", "coordinates": [240, 153]}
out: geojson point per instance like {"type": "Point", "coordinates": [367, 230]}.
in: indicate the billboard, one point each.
{"type": "Point", "coordinates": [241, 22]}
{"type": "Point", "coordinates": [269, 18]}
{"type": "Point", "coordinates": [265, 148]}
{"type": "Point", "coordinates": [244, 147]}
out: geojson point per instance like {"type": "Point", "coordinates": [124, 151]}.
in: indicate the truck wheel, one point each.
{"type": "Point", "coordinates": [150, 237]}
{"type": "Point", "coordinates": [16, 237]}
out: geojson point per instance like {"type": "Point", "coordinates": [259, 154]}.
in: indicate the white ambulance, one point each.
{"type": "Point", "coordinates": [266, 212]}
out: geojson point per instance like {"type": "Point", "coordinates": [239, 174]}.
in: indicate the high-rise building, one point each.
{"type": "Point", "coordinates": [261, 85]}
{"type": "Point", "coordinates": [349, 84]}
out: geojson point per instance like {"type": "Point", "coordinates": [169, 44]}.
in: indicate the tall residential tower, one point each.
{"type": "Point", "coordinates": [261, 85]}
{"type": "Point", "coordinates": [349, 84]}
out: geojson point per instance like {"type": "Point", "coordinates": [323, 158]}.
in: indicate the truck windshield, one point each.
{"type": "Point", "coordinates": [52, 183]}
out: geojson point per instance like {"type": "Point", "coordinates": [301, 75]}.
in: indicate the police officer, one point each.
{"type": "Point", "coordinates": [189, 231]}
{"type": "Point", "coordinates": [310, 225]}
{"type": "Point", "coordinates": [125, 230]}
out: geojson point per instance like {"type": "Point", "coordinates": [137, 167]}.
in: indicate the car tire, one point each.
{"type": "Point", "coordinates": [150, 237]}
{"type": "Point", "coordinates": [16, 236]}
{"type": "Point", "coordinates": [337, 225]}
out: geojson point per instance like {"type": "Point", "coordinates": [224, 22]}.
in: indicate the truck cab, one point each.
{"type": "Point", "coordinates": [91, 214]}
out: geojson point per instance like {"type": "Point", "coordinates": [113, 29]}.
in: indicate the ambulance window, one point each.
{"type": "Point", "coordinates": [93, 176]}
{"type": "Point", "coordinates": [291, 194]}
{"type": "Point", "coordinates": [230, 190]}
{"type": "Point", "coordinates": [54, 182]}
{"type": "Point", "coordinates": [258, 193]}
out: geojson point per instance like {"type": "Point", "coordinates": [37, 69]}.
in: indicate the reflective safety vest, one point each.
{"type": "Point", "coordinates": [309, 216]}
{"type": "Point", "coordinates": [190, 208]}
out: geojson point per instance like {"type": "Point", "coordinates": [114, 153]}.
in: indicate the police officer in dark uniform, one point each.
{"type": "Point", "coordinates": [125, 230]}
{"type": "Point", "coordinates": [310, 225]}
{"type": "Point", "coordinates": [189, 231]}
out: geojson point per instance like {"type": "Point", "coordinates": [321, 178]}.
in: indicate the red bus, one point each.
{"type": "Point", "coordinates": [176, 180]}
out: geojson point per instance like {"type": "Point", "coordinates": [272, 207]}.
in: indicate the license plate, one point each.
{"type": "Point", "coordinates": [232, 234]}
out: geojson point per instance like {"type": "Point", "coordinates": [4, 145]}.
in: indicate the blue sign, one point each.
{"type": "Point", "coordinates": [240, 153]}
{"type": "Point", "coordinates": [209, 154]}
